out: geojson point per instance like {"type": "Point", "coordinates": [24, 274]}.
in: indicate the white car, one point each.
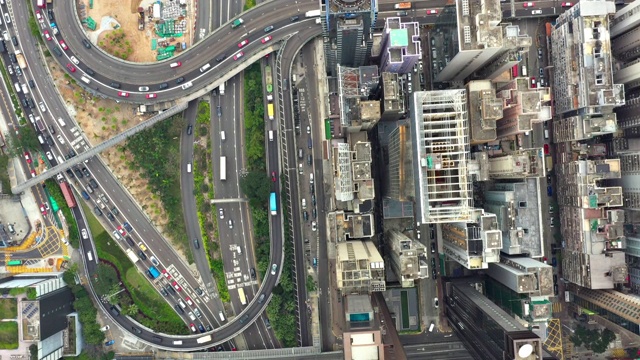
{"type": "Point", "coordinates": [85, 235]}
{"type": "Point", "coordinates": [314, 226]}
{"type": "Point", "coordinates": [105, 328]}
{"type": "Point", "coordinates": [274, 269]}
{"type": "Point", "coordinates": [435, 302]}
{"type": "Point", "coordinates": [221, 212]}
{"type": "Point", "coordinates": [74, 60]}
{"type": "Point", "coordinates": [536, 12]}
{"type": "Point", "coordinates": [116, 235]}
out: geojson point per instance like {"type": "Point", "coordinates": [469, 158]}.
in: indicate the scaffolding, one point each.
{"type": "Point", "coordinates": [442, 131]}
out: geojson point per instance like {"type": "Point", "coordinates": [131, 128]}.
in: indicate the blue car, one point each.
{"type": "Point", "coordinates": [127, 226]}
{"type": "Point", "coordinates": [549, 191]}
{"type": "Point", "coordinates": [109, 343]}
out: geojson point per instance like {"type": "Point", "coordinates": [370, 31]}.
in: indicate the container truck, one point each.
{"type": "Point", "coordinates": [403, 5]}
{"type": "Point", "coordinates": [312, 13]}
{"type": "Point", "coordinates": [134, 258]}
{"type": "Point", "coordinates": [21, 61]}
{"type": "Point", "coordinates": [68, 195]}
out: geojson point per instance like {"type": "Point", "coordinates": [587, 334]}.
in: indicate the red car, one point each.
{"type": "Point", "coordinates": [176, 286]}
{"type": "Point", "coordinates": [546, 149]}
{"type": "Point", "coordinates": [27, 157]}
{"type": "Point", "coordinates": [238, 55]}
{"type": "Point", "coordinates": [529, 4]}
{"type": "Point", "coordinates": [243, 43]}
{"type": "Point", "coordinates": [39, 16]}
{"type": "Point", "coordinates": [43, 210]}
{"type": "Point", "coordinates": [71, 68]}
{"type": "Point", "coordinates": [533, 83]}
{"type": "Point", "coordinates": [273, 176]}
{"type": "Point", "coordinates": [189, 301]}
{"type": "Point", "coordinates": [152, 96]}
{"type": "Point", "coordinates": [123, 94]}
{"type": "Point", "coordinates": [193, 327]}
{"type": "Point", "coordinates": [33, 173]}
{"type": "Point", "coordinates": [46, 35]}
{"type": "Point", "coordinates": [63, 45]}
{"type": "Point", "coordinates": [121, 231]}
{"type": "Point", "coordinates": [432, 12]}
{"type": "Point", "coordinates": [166, 274]}
{"type": "Point", "coordinates": [268, 38]}
{"type": "Point", "coordinates": [566, 4]}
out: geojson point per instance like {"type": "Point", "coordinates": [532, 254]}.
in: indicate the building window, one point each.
{"type": "Point", "coordinates": [523, 204]}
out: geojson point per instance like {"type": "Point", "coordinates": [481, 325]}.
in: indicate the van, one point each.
{"type": "Point", "coordinates": [176, 306]}
{"type": "Point", "coordinates": [61, 122]}
{"type": "Point", "coordinates": [17, 86]}
{"type": "Point", "coordinates": [183, 305]}
{"type": "Point", "coordinates": [309, 160]}
{"type": "Point", "coordinates": [205, 67]}
{"type": "Point", "coordinates": [221, 315]}
{"type": "Point", "coordinates": [239, 250]}
{"type": "Point", "coordinates": [222, 135]}
{"type": "Point", "coordinates": [270, 135]}
{"type": "Point", "coordinates": [311, 178]}
{"type": "Point", "coordinates": [546, 133]}
{"type": "Point", "coordinates": [299, 153]}
{"type": "Point", "coordinates": [85, 80]}
{"type": "Point", "coordinates": [187, 85]}
{"type": "Point", "coordinates": [85, 195]}
{"type": "Point", "coordinates": [189, 167]}
{"type": "Point", "coordinates": [432, 326]}
{"type": "Point", "coordinates": [41, 140]}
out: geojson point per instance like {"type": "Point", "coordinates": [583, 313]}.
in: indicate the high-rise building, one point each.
{"type": "Point", "coordinates": [401, 46]}
{"type": "Point", "coordinates": [487, 331]}
{"type": "Point", "coordinates": [522, 106]}
{"type": "Point", "coordinates": [519, 164]}
{"type": "Point", "coordinates": [625, 30]}
{"type": "Point", "coordinates": [584, 91]}
{"type": "Point", "coordinates": [484, 110]}
{"type": "Point", "coordinates": [353, 178]}
{"type": "Point", "coordinates": [407, 258]}
{"type": "Point", "coordinates": [359, 268]}
{"type": "Point", "coordinates": [400, 181]}
{"type": "Point", "coordinates": [524, 275]}
{"type": "Point", "coordinates": [348, 28]}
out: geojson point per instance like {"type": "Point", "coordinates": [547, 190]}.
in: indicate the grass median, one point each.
{"type": "Point", "coordinates": [153, 311]}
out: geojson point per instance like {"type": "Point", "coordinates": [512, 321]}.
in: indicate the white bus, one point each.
{"type": "Point", "coordinates": [223, 168]}
{"type": "Point", "coordinates": [241, 295]}
{"type": "Point", "coordinates": [204, 339]}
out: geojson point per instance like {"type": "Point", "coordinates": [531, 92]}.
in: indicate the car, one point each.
{"type": "Point", "coordinates": [199, 291]}
{"type": "Point", "coordinates": [175, 64]}
{"type": "Point", "coordinates": [566, 4]}
{"type": "Point", "coordinates": [176, 286]}
{"type": "Point", "coordinates": [126, 224]}
{"type": "Point", "coordinates": [136, 330]}
{"type": "Point", "coordinates": [27, 157]}
{"type": "Point", "coordinates": [432, 12]}
{"type": "Point", "coordinates": [63, 45]}
{"type": "Point", "coordinates": [539, 53]}
{"type": "Point", "coordinates": [435, 302]}
{"type": "Point", "coordinates": [154, 261]}
{"type": "Point", "coordinates": [230, 222]}
{"type": "Point", "coordinates": [189, 129]}
{"type": "Point", "coordinates": [529, 4]}
{"type": "Point", "coordinates": [238, 55]}
{"type": "Point", "coordinates": [85, 234]}
{"type": "Point", "coordinates": [189, 301]}
{"type": "Point", "coordinates": [434, 274]}
{"type": "Point", "coordinates": [39, 16]}
{"type": "Point", "coordinates": [33, 173]}
{"type": "Point", "coordinates": [121, 231]}
{"type": "Point", "coordinates": [221, 212]}
{"type": "Point", "coordinates": [308, 129]}
{"type": "Point", "coordinates": [105, 328]}
{"type": "Point", "coordinates": [546, 149]}
{"type": "Point", "coordinates": [86, 172]}
{"type": "Point", "coordinates": [123, 94]}
{"type": "Point", "coordinates": [273, 176]}
{"type": "Point", "coordinates": [110, 216]}
{"type": "Point", "coordinates": [46, 35]}
{"type": "Point", "coordinates": [143, 88]}
{"type": "Point", "coordinates": [43, 210]}
{"type": "Point", "coordinates": [314, 226]}
{"type": "Point", "coordinates": [86, 43]}
{"type": "Point", "coordinates": [166, 274]}
{"type": "Point", "coordinates": [201, 328]}
{"type": "Point", "coordinates": [71, 68]}
{"type": "Point", "coordinates": [533, 83]}
{"type": "Point", "coordinates": [266, 38]}
{"type": "Point", "coordinates": [252, 271]}
{"type": "Point", "coordinates": [549, 190]}
{"type": "Point", "coordinates": [243, 43]}
{"type": "Point", "coordinates": [536, 12]}
{"type": "Point", "coordinates": [274, 269]}
{"type": "Point", "coordinates": [109, 343]}
{"type": "Point", "coordinates": [193, 327]}
{"type": "Point", "coordinates": [130, 241]}
{"type": "Point", "coordinates": [152, 96]}
{"type": "Point", "coordinates": [433, 247]}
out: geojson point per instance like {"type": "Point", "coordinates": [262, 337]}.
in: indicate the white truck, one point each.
{"type": "Point", "coordinates": [221, 89]}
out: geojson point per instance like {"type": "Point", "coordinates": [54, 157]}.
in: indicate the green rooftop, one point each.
{"type": "Point", "coordinates": [399, 37]}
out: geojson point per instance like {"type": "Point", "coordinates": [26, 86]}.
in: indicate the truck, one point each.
{"type": "Point", "coordinates": [312, 13]}
{"type": "Point", "coordinates": [549, 161]}
{"type": "Point", "coordinates": [236, 23]}
{"type": "Point", "coordinates": [41, 4]}
{"type": "Point", "coordinates": [204, 339]}
{"type": "Point", "coordinates": [268, 78]}
{"type": "Point", "coordinates": [242, 296]}
{"type": "Point", "coordinates": [40, 124]}
{"type": "Point", "coordinates": [270, 98]}
{"type": "Point", "coordinates": [270, 111]}
{"type": "Point", "coordinates": [21, 61]}
{"type": "Point", "coordinates": [25, 88]}
{"type": "Point", "coordinates": [132, 256]}
{"type": "Point", "coordinates": [221, 89]}
{"type": "Point", "coordinates": [403, 5]}
{"type": "Point", "coordinates": [68, 195]}
{"type": "Point", "coordinates": [54, 28]}
{"type": "Point", "coordinates": [153, 272]}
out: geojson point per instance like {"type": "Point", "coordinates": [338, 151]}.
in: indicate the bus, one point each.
{"type": "Point", "coordinates": [273, 205]}
{"type": "Point", "coordinates": [270, 111]}
{"type": "Point", "coordinates": [204, 339]}
{"type": "Point", "coordinates": [153, 272]}
{"type": "Point", "coordinates": [242, 296]}
{"type": "Point", "coordinates": [68, 195]}
{"type": "Point", "coordinates": [134, 258]}
{"type": "Point", "coordinates": [223, 168]}
{"type": "Point", "coordinates": [14, 263]}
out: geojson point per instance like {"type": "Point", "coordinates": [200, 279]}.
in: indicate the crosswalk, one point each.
{"type": "Point", "coordinates": [557, 307]}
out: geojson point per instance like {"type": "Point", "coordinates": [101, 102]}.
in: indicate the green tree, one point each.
{"type": "Point", "coordinates": [31, 293]}
{"type": "Point", "coordinates": [256, 186]}
{"type": "Point", "coordinates": [131, 310]}
{"type": "Point", "coordinates": [311, 284]}
{"type": "Point", "coordinates": [33, 351]}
